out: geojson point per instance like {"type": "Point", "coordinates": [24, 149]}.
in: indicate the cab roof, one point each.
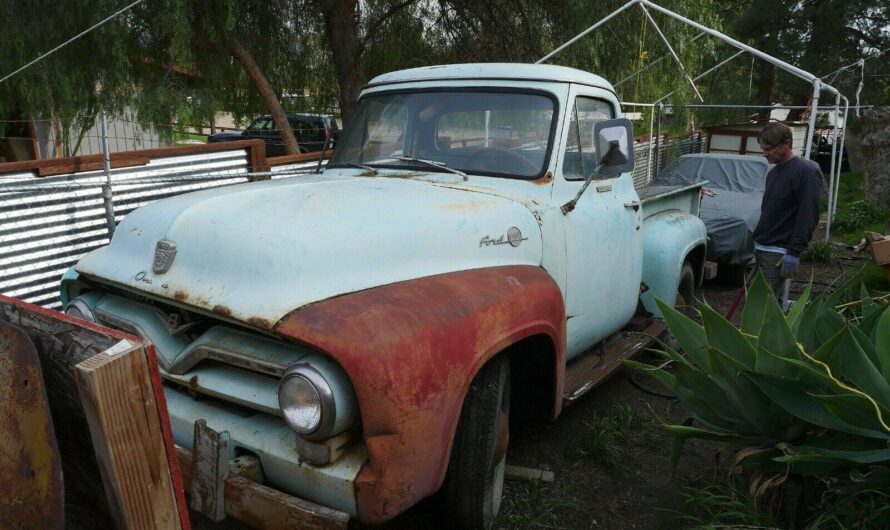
{"type": "Point", "coordinates": [489, 71]}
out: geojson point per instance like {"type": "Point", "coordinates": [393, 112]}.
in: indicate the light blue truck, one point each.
{"type": "Point", "coordinates": [467, 260]}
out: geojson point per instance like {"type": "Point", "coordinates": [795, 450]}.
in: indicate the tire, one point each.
{"type": "Point", "coordinates": [474, 484]}
{"type": "Point", "coordinates": [686, 290]}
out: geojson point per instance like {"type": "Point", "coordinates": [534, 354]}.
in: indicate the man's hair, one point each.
{"type": "Point", "coordinates": [775, 134]}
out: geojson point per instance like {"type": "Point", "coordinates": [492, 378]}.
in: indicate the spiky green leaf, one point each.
{"type": "Point", "coordinates": [725, 337]}
{"type": "Point", "coordinates": [755, 302]}
{"type": "Point", "coordinates": [792, 395]}
{"type": "Point", "coordinates": [793, 316]}
{"type": "Point", "coordinates": [689, 335]}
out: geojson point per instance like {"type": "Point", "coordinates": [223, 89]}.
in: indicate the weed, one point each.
{"type": "Point", "coordinates": [821, 252]}
{"type": "Point", "coordinates": [608, 437]}
{"type": "Point", "coordinates": [723, 505]}
{"type": "Point", "coordinates": [534, 504]}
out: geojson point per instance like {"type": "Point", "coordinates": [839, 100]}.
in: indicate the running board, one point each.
{"type": "Point", "coordinates": [607, 357]}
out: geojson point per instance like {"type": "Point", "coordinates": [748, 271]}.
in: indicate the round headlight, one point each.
{"type": "Point", "coordinates": [306, 401]}
{"type": "Point", "coordinates": [78, 308]}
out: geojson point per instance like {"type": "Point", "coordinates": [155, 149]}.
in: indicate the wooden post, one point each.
{"type": "Point", "coordinates": [125, 425]}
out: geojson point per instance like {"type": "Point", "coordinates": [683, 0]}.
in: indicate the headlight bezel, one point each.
{"type": "Point", "coordinates": [82, 307]}
{"type": "Point", "coordinates": [327, 403]}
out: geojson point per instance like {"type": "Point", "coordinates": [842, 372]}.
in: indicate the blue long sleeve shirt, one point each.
{"type": "Point", "coordinates": [790, 209]}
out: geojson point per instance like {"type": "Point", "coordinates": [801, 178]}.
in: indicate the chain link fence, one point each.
{"type": "Point", "coordinates": [44, 138]}
{"type": "Point", "coordinates": [653, 154]}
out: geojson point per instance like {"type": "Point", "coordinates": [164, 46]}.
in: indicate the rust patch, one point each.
{"type": "Point", "coordinates": [31, 489]}
{"type": "Point", "coordinates": [546, 179]}
{"type": "Point", "coordinates": [261, 323]}
{"type": "Point", "coordinates": [181, 295]}
{"type": "Point", "coordinates": [222, 310]}
{"type": "Point", "coordinates": [411, 350]}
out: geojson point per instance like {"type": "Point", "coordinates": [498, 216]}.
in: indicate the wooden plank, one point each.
{"type": "Point", "coordinates": [210, 469]}
{"type": "Point", "coordinates": [527, 473]}
{"type": "Point", "coordinates": [604, 359]}
{"type": "Point", "coordinates": [125, 427]}
{"type": "Point", "coordinates": [264, 507]}
{"type": "Point", "coordinates": [61, 166]}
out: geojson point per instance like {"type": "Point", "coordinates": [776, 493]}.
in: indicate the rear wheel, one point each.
{"type": "Point", "coordinates": [474, 484]}
{"type": "Point", "coordinates": [686, 290]}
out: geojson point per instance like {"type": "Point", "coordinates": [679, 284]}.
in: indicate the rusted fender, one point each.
{"type": "Point", "coordinates": [411, 350]}
{"type": "Point", "coordinates": [31, 490]}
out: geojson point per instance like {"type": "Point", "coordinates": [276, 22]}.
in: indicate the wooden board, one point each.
{"type": "Point", "coordinates": [607, 357]}
{"type": "Point", "coordinates": [263, 507]}
{"type": "Point", "coordinates": [61, 343]}
{"type": "Point", "coordinates": [121, 409]}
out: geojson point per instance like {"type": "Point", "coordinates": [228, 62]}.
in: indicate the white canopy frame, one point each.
{"type": "Point", "coordinates": [817, 84]}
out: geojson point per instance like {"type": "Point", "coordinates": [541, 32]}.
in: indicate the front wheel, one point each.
{"type": "Point", "coordinates": [474, 484]}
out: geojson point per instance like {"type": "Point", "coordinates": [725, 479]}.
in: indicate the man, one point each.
{"type": "Point", "coordinates": [790, 208]}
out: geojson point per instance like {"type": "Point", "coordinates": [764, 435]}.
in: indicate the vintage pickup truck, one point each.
{"type": "Point", "coordinates": [467, 258]}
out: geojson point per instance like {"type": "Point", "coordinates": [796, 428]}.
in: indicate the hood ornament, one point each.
{"type": "Point", "coordinates": [165, 251]}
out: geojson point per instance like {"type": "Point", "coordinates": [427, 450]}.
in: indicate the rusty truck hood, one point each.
{"type": "Point", "coordinates": [254, 252]}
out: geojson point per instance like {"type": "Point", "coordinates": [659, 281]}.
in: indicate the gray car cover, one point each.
{"type": "Point", "coordinates": [731, 215]}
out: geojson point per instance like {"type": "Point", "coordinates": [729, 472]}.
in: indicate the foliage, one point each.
{"type": "Point", "coordinates": [821, 252]}
{"type": "Point", "coordinates": [807, 393]}
{"type": "Point", "coordinates": [860, 215]}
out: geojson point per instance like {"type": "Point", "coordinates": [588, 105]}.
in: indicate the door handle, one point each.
{"type": "Point", "coordinates": [635, 205]}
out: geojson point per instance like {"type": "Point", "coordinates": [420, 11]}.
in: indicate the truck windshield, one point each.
{"type": "Point", "coordinates": [503, 134]}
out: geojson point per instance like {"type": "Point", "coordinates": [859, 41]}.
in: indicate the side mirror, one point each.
{"type": "Point", "coordinates": [614, 146]}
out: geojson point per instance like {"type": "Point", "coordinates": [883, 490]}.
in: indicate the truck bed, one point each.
{"type": "Point", "coordinates": [683, 197]}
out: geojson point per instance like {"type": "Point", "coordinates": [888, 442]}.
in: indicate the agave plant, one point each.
{"type": "Point", "coordinates": [805, 393]}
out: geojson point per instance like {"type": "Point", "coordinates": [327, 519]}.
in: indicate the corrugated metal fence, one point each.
{"type": "Point", "coordinates": [53, 213]}
{"type": "Point", "coordinates": [48, 222]}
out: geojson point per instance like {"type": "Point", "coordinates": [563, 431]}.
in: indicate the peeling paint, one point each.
{"type": "Point", "coordinates": [411, 359]}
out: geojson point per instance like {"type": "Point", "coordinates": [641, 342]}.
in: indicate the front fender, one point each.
{"type": "Point", "coordinates": [411, 350]}
{"type": "Point", "coordinates": [668, 238]}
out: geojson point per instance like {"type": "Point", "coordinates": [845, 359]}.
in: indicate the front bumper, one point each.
{"type": "Point", "coordinates": [274, 443]}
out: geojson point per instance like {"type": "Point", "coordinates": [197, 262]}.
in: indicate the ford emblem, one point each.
{"type": "Point", "coordinates": [165, 251]}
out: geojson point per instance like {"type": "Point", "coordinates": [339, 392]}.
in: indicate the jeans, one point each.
{"type": "Point", "coordinates": [770, 264]}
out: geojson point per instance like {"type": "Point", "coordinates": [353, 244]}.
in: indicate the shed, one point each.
{"type": "Point", "coordinates": [741, 138]}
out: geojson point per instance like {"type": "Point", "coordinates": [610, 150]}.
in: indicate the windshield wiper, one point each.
{"type": "Point", "coordinates": [373, 170]}
{"type": "Point", "coordinates": [433, 163]}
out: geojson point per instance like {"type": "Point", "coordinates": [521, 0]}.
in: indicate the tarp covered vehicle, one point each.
{"type": "Point", "coordinates": [732, 210]}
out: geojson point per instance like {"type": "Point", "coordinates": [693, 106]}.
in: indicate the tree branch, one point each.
{"type": "Point", "coordinates": [376, 25]}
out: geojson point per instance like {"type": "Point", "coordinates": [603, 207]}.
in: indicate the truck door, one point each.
{"type": "Point", "coordinates": [603, 241]}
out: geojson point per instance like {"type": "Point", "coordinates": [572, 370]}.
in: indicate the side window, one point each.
{"type": "Point", "coordinates": [579, 158]}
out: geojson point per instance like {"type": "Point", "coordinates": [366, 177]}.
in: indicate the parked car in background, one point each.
{"type": "Point", "coordinates": [311, 130]}
{"type": "Point", "coordinates": [730, 207]}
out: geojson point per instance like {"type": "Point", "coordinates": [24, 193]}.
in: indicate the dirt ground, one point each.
{"type": "Point", "coordinates": [608, 451]}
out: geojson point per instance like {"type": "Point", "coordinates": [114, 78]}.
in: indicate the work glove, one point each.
{"type": "Point", "coordinates": [789, 264]}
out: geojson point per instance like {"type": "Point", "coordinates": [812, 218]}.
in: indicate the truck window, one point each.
{"type": "Point", "coordinates": [503, 133]}
{"type": "Point", "coordinates": [579, 158]}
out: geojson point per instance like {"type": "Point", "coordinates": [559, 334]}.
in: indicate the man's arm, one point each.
{"type": "Point", "coordinates": [808, 192]}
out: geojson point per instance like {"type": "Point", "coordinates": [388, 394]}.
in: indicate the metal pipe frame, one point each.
{"type": "Point", "coordinates": [706, 72]}
{"type": "Point", "coordinates": [832, 195]}
{"type": "Point", "coordinates": [673, 53]}
{"type": "Point", "coordinates": [653, 63]}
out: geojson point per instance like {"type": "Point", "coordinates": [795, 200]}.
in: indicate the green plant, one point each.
{"type": "Point", "coordinates": [821, 252]}
{"type": "Point", "coordinates": [623, 427]}
{"type": "Point", "coordinates": [806, 393]}
{"type": "Point", "coordinates": [724, 505]}
{"type": "Point", "coordinates": [859, 216]}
